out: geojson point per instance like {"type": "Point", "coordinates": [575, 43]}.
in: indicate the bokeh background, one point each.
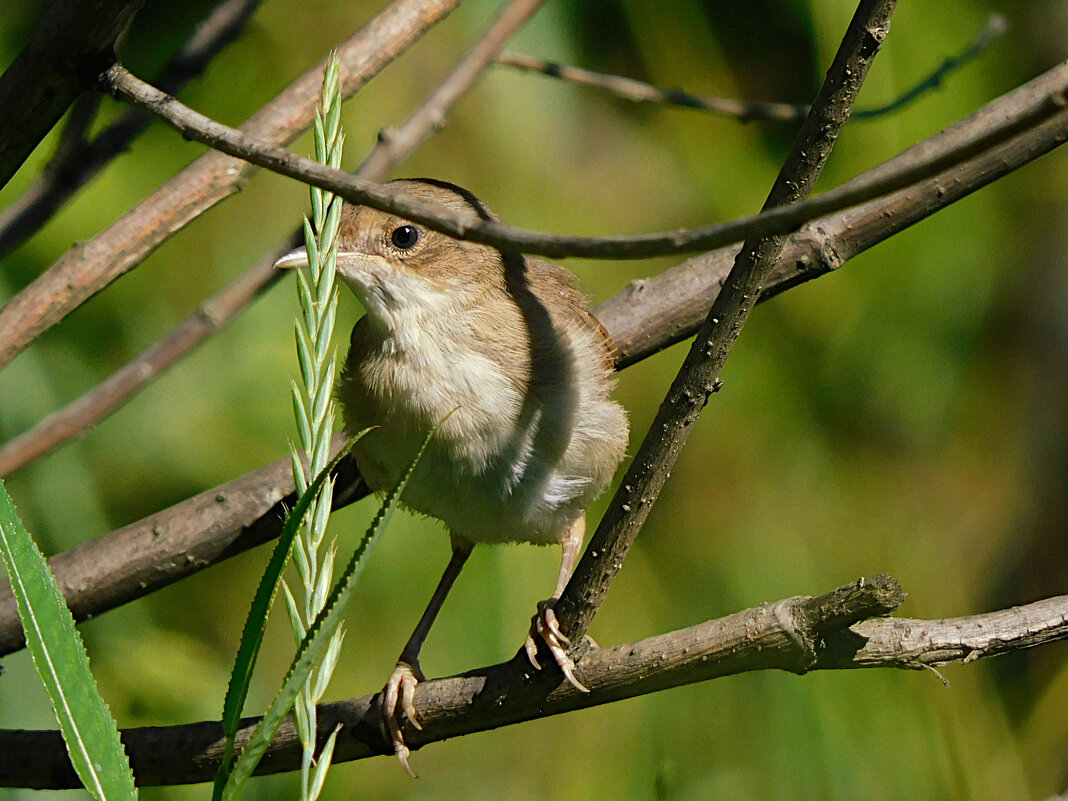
{"type": "Point", "coordinates": [907, 414]}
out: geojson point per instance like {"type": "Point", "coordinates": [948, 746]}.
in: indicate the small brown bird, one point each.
{"type": "Point", "coordinates": [510, 345]}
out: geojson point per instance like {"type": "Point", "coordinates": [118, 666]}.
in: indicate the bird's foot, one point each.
{"type": "Point", "coordinates": [545, 627]}
{"type": "Point", "coordinates": [397, 700]}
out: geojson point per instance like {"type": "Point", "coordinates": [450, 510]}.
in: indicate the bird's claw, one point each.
{"type": "Point", "coordinates": [398, 699]}
{"type": "Point", "coordinates": [545, 627]}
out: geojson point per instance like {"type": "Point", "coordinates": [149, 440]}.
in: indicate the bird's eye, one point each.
{"type": "Point", "coordinates": [404, 237]}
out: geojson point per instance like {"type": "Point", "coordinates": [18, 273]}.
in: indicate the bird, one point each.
{"type": "Point", "coordinates": [501, 352]}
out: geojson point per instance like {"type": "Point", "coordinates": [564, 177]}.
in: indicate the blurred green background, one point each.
{"type": "Point", "coordinates": [907, 414]}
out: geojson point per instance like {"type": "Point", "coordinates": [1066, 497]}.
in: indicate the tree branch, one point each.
{"type": "Point", "coordinates": [645, 317]}
{"type": "Point", "coordinates": [76, 161]}
{"type": "Point", "coordinates": [745, 111]}
{"type": "Point", "coordinates": [71, 43]}
{"type": "Point", "coordinates": [698, 377]}
{"type": "Point", "coordinates": [464, 225]}
{"type": "Point", "coordinates": [838, 630]}
{"type": "Point", "coordinates": [90, 266]}
{"type": "Point", "coordinates": [641, 92]}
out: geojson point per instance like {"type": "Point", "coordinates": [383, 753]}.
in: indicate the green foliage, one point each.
{"type": "Point", "coordinates": [313, 405]}
{"type": "Point", "coordinates": [256, 625]}
{"type": "Point", "coordinates": [89, 730]}
{"type": "Point", "coordinates": [316, 642]}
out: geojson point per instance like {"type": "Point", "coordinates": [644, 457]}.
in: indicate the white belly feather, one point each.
{"type": "Point", "coordinates": [503, 466]}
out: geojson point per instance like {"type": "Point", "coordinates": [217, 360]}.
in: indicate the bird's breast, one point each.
{"type": "Point", "coordinates": [497, 467]}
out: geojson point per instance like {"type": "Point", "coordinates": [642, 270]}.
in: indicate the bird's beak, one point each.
{"type": "Point", "coordinates": [295, 258]}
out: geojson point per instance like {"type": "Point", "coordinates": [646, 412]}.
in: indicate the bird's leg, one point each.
{"type": "Point", "coordinates": [544, 625]}
{"type": "Point", "coordinates": [400, 689]}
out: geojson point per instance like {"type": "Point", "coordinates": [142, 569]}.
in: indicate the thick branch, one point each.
{"type": "Point", "coordinates": [109, 571]}
{"type": "Point", "coordinates": [71, 44]}
{"type": "Point", "coordinates": [89, 267]}
{"type": "Point", "coordinates": [796, 634]}
{"type": "Point", "coordinates": [919, 644]}
{"type": "Point", "coordinates": [645, 317]}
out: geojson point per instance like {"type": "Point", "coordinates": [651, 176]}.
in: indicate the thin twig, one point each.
{"type": "Point", "coordinates": [835, 631]}
{"type": "Point", "coordinates": [464, 225]}
{"type": "Point", "coordinates": [216, 311]}
{"type": "Point", "coordinates": [123, 565]}
{"type": "Point", "coordinates": [698, 377]}
{"type": "Point", "coordinates": [746, 111]}
{"type": "Point", "coordinates": [996, 26]}
{"type": "Point", "coordinates": [76, 160]}
{"type": "Point", "coordinates": [642, 92]}
{"type": "Point", "coordinates": [90, 266]}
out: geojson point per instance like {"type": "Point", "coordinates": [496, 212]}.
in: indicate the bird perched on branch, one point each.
{"type": "Point", "coordinates": [506, 345]}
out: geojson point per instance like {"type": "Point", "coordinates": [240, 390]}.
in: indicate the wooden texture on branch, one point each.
{"type": "Point", "coordinates": [839, 630]}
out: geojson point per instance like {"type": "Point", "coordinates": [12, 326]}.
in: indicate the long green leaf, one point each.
{"type": "Point", "coordinates": [89, 730]}
{"type": "Point", "coordinates": [256, 624]}
{"type": "Point", "coordinates": [316, 640]}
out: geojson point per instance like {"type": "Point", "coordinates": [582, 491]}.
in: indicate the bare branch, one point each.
{"type": "Point", "coordinates": [645, 317]}
{"type": "Point", "coordinates": [698, 377]}
{"type": "Point", "coordinates": [76, 161]}
{"type": "Point", "coordinates": [919, 644]}
{"type": "Point", "coordinates": [745, 111]}
{"type": "Point", "coordinates": [90, 266]}
{"type": "Point", "coordinates": [506, 237]}
{"type": "Point", "coordinates": [642, 92]}
{"type": "Point", "coordinates": [834, 631]}
{"type": "Point", "coordinates": [71, 44]}
{"type": "Point", "coordinates": [124, 564]}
